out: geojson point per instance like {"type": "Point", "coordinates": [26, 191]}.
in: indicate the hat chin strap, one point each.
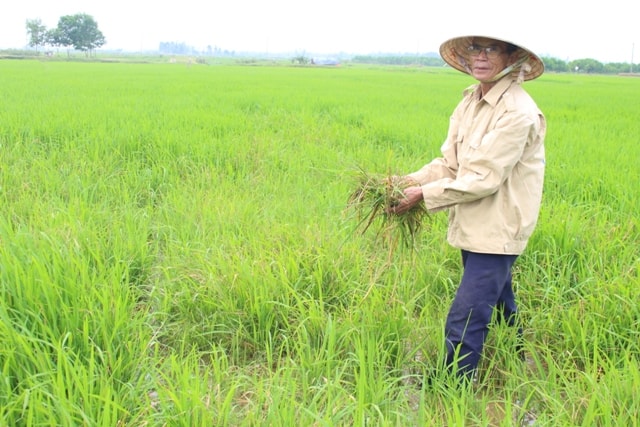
{"type": "Point", "coordinates": [524, 68]}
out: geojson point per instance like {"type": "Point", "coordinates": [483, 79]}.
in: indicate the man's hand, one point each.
{"type": "Point", "coordinates": [412, 196]}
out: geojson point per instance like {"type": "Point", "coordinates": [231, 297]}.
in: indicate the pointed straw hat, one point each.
{"type": "Point", "coordinates": [528, 65]}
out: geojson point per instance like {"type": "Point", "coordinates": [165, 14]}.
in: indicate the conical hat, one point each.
{"type": "Point", "coordinates": [454, 53]}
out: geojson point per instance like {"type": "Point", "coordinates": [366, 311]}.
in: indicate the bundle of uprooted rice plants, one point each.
{"type": "Point", "coordinates": [373, 201]}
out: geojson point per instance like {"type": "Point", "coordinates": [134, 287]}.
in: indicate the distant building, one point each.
{"type": "Point", "coordinates": [325, 61]}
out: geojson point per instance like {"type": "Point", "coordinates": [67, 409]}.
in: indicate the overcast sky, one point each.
{"type": "Point", "coordinates": [608, 31]}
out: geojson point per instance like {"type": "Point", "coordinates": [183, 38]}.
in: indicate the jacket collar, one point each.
{"type": "Point", "coordinates": [495, 93]}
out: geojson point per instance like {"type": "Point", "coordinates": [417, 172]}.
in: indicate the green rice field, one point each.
{"type": "Point", "coordinates": [175, 251]}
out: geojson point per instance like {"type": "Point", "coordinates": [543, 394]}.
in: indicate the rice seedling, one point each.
{"type": "Point", "coordinates": [373, 202]}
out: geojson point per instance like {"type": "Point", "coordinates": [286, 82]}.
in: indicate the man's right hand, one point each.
{"type": "Point", "coordinates": [412, 196]}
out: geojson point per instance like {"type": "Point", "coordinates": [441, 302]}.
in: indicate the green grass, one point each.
{"type": "Point", "coordinates": [174, 250]}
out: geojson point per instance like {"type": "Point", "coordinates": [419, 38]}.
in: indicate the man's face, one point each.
{"type": "Point", "coordinates": [487, 57]}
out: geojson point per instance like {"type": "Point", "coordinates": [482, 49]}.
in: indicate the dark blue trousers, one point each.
{"type": "Point", "coordinates": [485, 286]}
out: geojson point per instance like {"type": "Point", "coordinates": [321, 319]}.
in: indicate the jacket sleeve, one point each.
{"type": "Point", "coordinates": [483, 168]}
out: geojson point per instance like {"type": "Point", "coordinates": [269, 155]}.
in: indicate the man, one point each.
{"type": "Point", "coordinates": [490, 178]}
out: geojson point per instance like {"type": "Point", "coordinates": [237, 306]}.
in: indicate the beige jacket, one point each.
{"type": "Point", "coordinates": [491, 172]}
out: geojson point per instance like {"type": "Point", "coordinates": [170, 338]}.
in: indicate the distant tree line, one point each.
{"type": "Point", "coordinates": [79, 31]}
{"type": "Point", "coordinates": [587, 65]}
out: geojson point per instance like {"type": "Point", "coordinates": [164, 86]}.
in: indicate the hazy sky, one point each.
{"type": "Point", "coordinates": [608, 31]}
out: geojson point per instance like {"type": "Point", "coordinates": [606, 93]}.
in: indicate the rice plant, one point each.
{"type": "Point", "coordinates": [173, 250]}
{"type": "Point", "coordinates": [372, 204]}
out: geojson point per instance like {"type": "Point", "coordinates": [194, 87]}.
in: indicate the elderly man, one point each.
{"type": "Point", "coordinates": [490, 178]}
